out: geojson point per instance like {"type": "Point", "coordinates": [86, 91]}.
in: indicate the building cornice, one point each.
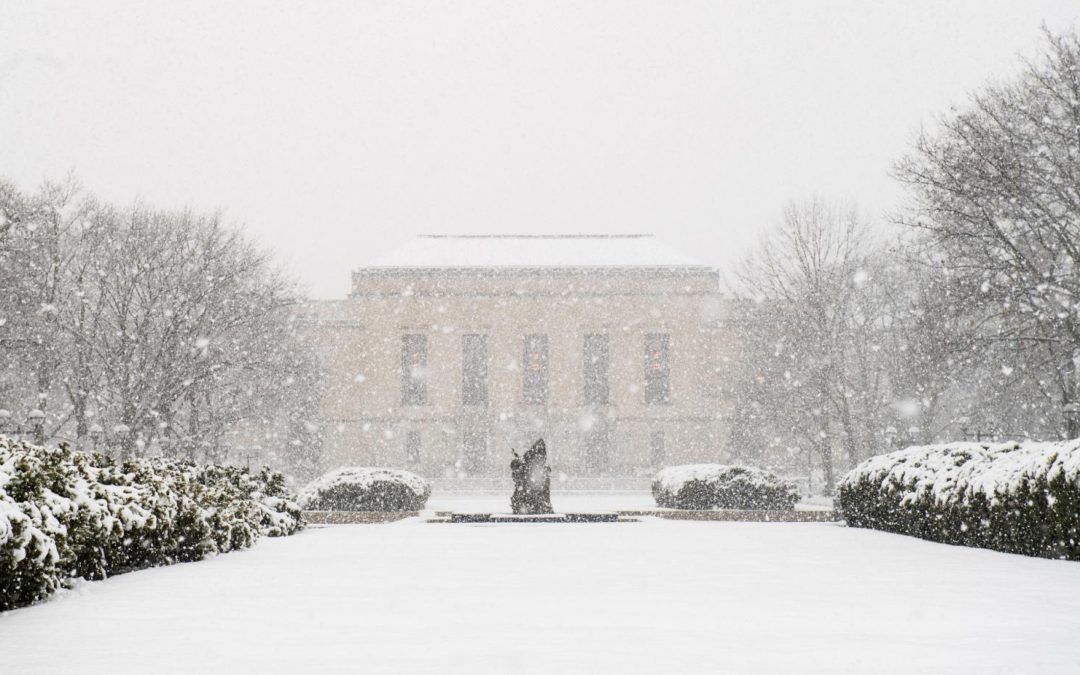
{"type": "Point", "coordinates": [485, 272]}
{"type": "Point", "coordinates": [526, 294]}
{"type": "Point", "coordinates": [514, 421]}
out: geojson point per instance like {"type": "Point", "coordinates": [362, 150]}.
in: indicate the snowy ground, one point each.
{"type": "Point", "coordinates": [649, 597]}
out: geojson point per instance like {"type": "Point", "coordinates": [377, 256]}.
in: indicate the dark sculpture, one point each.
{"type": "Point", "coordinates": [532, 481]}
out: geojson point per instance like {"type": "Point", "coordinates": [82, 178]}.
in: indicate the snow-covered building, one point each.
{"type": "Point", "coordinates": [454, 349]}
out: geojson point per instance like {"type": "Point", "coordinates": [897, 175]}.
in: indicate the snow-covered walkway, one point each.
{"type": "Point", "coordinates": [649, 597]}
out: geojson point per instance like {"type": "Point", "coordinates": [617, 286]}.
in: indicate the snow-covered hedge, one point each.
{"type": "Point", "coordinates": [717, 486]}
{"type": "Point", "coordinates": [355, 488]}
{"type": "Point", "coordinates": [1008, 497]}
{"type": "Point", "coordinates": [67, 514]}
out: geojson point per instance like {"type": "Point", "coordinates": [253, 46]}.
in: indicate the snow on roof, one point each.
{"type": "Point", "coordinates": [535, 250]}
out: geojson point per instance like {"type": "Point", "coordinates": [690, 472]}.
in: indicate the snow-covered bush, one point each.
{"type": "Point", "coordinates": [28, 558]}
{"type": "Point", "coordinates": [1008, 497]}
{"type": "Point", "coordinates": [717, 486]}
{"type": "Point", "coordinates": [362, 489]}
{"type": "Point", "coordinates": [67, 514]}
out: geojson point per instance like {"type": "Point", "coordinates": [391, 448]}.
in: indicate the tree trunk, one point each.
{"type": "Point", "coordinates": [826, 451]}
{"type": "Point", "coordinates": [850, 445]}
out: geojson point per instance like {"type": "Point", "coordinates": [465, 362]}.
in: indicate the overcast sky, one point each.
{"type": "Point", "coordinates": [335, 130]}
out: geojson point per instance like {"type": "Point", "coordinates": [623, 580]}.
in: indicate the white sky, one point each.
{"type": "Point", "coordinates": [335, 130]}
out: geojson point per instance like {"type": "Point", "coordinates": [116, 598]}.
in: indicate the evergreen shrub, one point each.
{"type": "Point", "coordinates": [66, 514]}
{"type": "Point", "coordinates": [701, 487]}
{"type": "Point", "coordinates": [1007, 497]}
{"type": "Point", "coordinates": [366, 489]}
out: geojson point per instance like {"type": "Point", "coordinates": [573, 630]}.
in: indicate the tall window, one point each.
{"type": "Point", "coordinates": [595, 367]}
{"type": "Point", "coordinates": [534, 384]}
{"type": "Point", "coordinates": [474, 389]}
{"type": "Point", "coordinates": [412, 448]}
{"type": "Point", "coordinates": [597, 450]}
{"type": "Point", "coordinates": [657, 451]}
{"type": "Point", "coordinates": [474, 451]}
{"type": "Point", "coordinates": [658, 368]}
{"type": "Point", "coordinates": [414, 369]}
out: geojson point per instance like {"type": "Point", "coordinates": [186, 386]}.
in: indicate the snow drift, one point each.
{"type": "Point", "coordinates": [66, 514]}
{"type": "Point", "coordinates": [355, 488]}
{"type": "Point", "coordinates": [718, 486]}
{"type": "Point", "coordinates": [1008, 497]}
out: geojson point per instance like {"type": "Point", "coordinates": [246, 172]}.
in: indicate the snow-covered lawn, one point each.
{"type": "Point", "coordinates": [650, 597]}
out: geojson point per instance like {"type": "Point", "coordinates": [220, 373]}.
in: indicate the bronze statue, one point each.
{"type": "Point", "coordinates": [532, 481]}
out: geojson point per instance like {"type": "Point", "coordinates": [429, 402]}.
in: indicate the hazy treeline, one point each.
{"type": "Point", "coordinates": [962, 320]}
{"type": "Point", "coordinates": [144, 330]}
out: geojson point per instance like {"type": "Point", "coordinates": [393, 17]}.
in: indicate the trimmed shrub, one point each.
{"type": "Point", "coordinates": [363, 489]}
{"type": "Point", "coordinates": [716, 486]}
{"type": "Point", "coordinates": [1007, 497]}
{"type": "Point", "coordinates": [67, 515]}
{"type": "Point", "coordinates": [28, 558]}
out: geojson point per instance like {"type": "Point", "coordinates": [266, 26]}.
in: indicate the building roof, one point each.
{"type": "Point", "coordinates": [535, 250]}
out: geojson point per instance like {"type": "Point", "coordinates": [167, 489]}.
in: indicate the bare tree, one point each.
{"type": "Point", "coordinates": [812, 369]}
{"type": "Point", "coordinates": [996, 190]}
{"type": "Point", "coordinates": [43, 240]}
{"type": "Point", "coordinates": [192, 314]}
{"type": "Point", "coordinates": [168, 324]}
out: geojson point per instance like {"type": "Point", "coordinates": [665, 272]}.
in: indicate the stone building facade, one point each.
{"type": "Point", "coordinates": [453, 350]}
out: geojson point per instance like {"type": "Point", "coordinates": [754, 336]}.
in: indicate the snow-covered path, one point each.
{"type": "Point", "coordinates": [649, 597]}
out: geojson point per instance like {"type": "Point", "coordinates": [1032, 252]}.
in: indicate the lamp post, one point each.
{"type": "Point", "coordinates": [96, 432]}
{"type": "Point", "coordinates": [121, 432]}
{"type": "Point", "coordinates": [36, 417]}
{"type": "Point", "coordinates": [1071, 410]}
{"type": "Point", "coordinates": [913, 434]}
{"type": "Point", "coordinates": [890, 436]}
